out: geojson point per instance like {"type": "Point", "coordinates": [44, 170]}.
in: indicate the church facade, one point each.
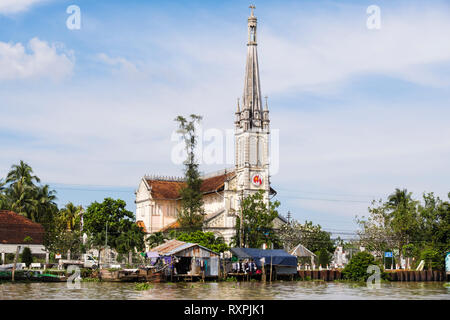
{"type": "Point", "coordinates": [157, 198]}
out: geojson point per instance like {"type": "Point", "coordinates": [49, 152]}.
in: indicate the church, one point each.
{"type": "Point", "coordinates": [158, 199]}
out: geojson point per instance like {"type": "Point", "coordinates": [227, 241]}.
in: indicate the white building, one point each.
{"type": "Point", "coordinates": [157, 198]}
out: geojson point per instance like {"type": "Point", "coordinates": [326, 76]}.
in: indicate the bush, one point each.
{"type": "Point", "coordinates": [356, 269]}
{"type": "Point", "coordinates": [27, 257]}
{"type": "Point", "coordinates": [324, 257]}
{"type": "Point", "coordinates": [433, 259]}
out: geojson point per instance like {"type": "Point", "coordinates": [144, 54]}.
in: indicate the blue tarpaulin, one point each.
{"type": "Point", "coordinates": [279, 257]}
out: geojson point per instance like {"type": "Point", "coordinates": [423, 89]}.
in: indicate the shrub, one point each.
{"type": "Point", "coordinates": [27, 257]}
{"type": "Point", "coordinates": [433, 259]}
{"type": "Point", "coordinates": [356, 269]}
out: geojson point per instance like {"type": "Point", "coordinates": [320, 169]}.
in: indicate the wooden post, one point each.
{"type": "Point", "coordinates": [224, 270]}
{"type": "Point", "coordinates": [171, 269]}
{"type": "Point", "coordinates": [14, 265]}
{"type": "Point", "coordinates": [264, 271]}
{"type": "Point", "coordinates": [271, 269]}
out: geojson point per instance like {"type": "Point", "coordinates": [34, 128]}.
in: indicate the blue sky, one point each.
{"type": "Point", "coordinates": [360, 112]}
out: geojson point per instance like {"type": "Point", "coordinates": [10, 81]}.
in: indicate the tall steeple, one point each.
{"type": "Point", "coordinates": [251, 102]}
{"type": "Point", "coordinates": [252, 125]}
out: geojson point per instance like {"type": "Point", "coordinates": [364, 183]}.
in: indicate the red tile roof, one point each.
{"type": "Point", "coordinates": [170, 190]}
{"type": "Point", "coordinates": [14, 228]}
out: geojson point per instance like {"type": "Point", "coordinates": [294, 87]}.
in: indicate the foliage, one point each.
{"type": "Point", "coordinates": [123, 234]}
{"type": "Point", "coordinates": [27, 239]}
{"type": "Point", "coordinates": [156, 239]}
{"type": "Point", "coordinates": [309, 235]}
{"type": "Point", "coordinates": [20, 193]}
{"type": "Point", "coordinates": [409, 226]}
{"type": "Point", "coordinates": [27, 256]}
{"type": "Point", "coordinates": [324, 257]}
{"type": "Point", "coordinates": [70, 215]}
{"type": "Point", "coordinates": [432, 257]}
{"type": "Point", "coordinates": [143, 286]}
{"type": "Point", "coordinates": [258, 216]}
{"type": "Point", "coordinates": [191, 214]}
{"type": "Point", "coordinates": [356, 269]}
{"type": "Point", "coordinates": [205, 239]}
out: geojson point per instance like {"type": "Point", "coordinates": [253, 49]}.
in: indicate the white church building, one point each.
{"type": "Point", "coordinates": [158, 199]}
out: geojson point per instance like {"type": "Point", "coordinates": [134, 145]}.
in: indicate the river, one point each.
{"type": "Point", "coordinates": [297, 290]}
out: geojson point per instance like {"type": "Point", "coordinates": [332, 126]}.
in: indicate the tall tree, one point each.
{"type": "Point", "coordinates": [191, 214]}
{"type": "Point", "coordinates": [23, 173]}
{"type": "Point", "coordinates": [111, 219]}
{"type": "Point", "coordinates": [257, 222]}
{"type": "Point", "coordinates": [71, 215]}
{"type": "Point", "coordinates": [309, 235]}
{"type": "Point", "coordinates": [45, 206]}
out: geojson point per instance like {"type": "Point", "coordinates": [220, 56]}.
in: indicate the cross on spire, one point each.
{"type": "Point", "coordinates": [252, 7]}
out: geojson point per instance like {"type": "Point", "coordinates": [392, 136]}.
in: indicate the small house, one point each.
{"type": "Point", "coordinates": [186, 258]}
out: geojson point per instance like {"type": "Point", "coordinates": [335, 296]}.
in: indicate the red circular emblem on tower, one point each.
{"type": "Point", "coordinates": [257, 180]}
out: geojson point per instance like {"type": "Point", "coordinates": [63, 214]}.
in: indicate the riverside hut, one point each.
{"type": "Point", "coordinates": [189, 259]}
{"type": "Point", "coordinates": [282, 262]}
{"type": "Point", "coordinates": [301, 251]}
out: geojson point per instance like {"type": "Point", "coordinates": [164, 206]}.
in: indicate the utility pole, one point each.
{"type": "Point", "coordinates": [106, 241]}
{"type": "Point", "coordinates": [14, 265]}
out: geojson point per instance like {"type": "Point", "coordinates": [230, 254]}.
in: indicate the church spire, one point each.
{"type": "Point", "coordinates": [252, 88]}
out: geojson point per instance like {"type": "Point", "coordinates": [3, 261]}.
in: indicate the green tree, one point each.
{"type": "Point", "coordinates": [191, 213]}
{"type": "Point", "coordinates": [60, 239]}
{"type": "Point", "coordinates": [22, 173]}
{"type": "Point", "coordinates": [123, 234]}
{"type": "Point", "coordinates": [71, 215]}
{"type": "Point", "coordinates": [409, 226]}
{"type": "Point", "coordinates": [309, 235]}
{"type": "Point", "coordinates": [258, 216]}
{"type": "Point", "coordinates": [45, 206]}
{"type": "Point", "coordinates": [156, 239]}
{"type": "Point", "coordinates": [356, 269]}
{"type": "Point", "coordinates": [27, 256]}
{"type": "Point", "coordinates": [205, 239]}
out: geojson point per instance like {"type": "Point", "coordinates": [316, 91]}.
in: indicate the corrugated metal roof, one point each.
{"type": "Point", "coordinates": [172, 247]}
{"type": "Point", "coordinates": [302, 251]}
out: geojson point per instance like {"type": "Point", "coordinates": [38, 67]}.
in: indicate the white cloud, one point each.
{"type": "Point", "coordinates": [43, 60]}
{"type": "Point", "coordinates": [14, 6]}
{"type": "Point", "coordinates": [122, 65]}
{"type": "Point", "coordinates": [332, 48]}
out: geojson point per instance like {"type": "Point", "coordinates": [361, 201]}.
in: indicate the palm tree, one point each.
{"type": "Point", "coordinates": [3, 199]}
{"type": "Point", "coordinates": [21, 173]}
{"type": "Point", "coordinates": [402, 217]}
{"type": "Point", "coordinates": [71, 215]}
{"type": "Point", "coordinates": [21, 199]}
{"type": "Point", "coordinates": [45, 203]}
{"type": "Point", "coordinates": [399, 198]}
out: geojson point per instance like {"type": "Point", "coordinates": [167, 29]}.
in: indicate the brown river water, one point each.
{"type": "Point", "coordinates": [297, 290]}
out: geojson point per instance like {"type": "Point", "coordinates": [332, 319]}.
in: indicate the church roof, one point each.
{"type": "Point", "coordinates": [170, 189]}
{"type": "Point", "coordinates": [14, 228]}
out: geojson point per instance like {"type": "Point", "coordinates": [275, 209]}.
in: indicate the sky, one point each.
{"type": "Point", "coordinates": [359, 111]}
